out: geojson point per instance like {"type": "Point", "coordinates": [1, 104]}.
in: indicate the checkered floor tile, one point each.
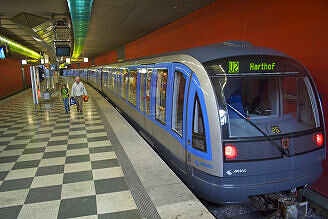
{"type": "Point", "coordinates": [57, 165]}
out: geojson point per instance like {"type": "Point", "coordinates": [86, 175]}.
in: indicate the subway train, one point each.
{"type": "Point", "coordinates": [231, 119]}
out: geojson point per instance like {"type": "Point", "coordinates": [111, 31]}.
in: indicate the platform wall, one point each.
{"type": "Point", "coordinates": [10, 77]}
{"type": "Point", "coordinates": [27, 75]}
{"type": "Point", "coordinates": [297, 28]}
{"type": "Point", "coordinates": [106, 58]}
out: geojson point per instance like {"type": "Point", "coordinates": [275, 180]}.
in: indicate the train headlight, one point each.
{"type": "Point", "coordinates": [230, 151]}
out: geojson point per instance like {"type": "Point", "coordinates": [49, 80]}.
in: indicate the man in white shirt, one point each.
{"type": "Point", "coordinates": [78, 90]}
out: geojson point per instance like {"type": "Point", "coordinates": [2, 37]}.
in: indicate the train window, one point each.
{"type": "Point", "coordinates": [177, 102]}
{"type": "Point", "coordinates": [105, 78]}
{"type": "Point", "coordinates": [299, 102]}
{"type": "Point", "coordinates": [114, 81]}
{"type": "Point", "coordinates": [142, 89]}
{"type": "Point", "coordinates": [147, 93]}
{"type": "Point", "coordinates": [198, 130]}
{"type": "Point", "coordinates": [110, 80]}
{"type": "Point", "coordinates": [161, 85]}
{"type": "Point", "coordinates": [267, 101]}
{"type": "Point", "coordinates": [113, 76]}
{"type": "Point", "coordinates": [133, 87]}
{"type": "Point", "coordinates": [124, 83]}
{"type": "Point", "coordinates": [118, 82]}
{"type": "Point", "coordinates": [99, 76]}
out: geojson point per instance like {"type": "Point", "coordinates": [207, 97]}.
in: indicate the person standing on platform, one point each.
{"type": "Point", "coordinates": [65, 95]}
{"type": "Point", "coordinates": [78, 90]}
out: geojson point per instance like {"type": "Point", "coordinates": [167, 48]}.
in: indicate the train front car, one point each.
{"type": "Point", "coordinates": [273, 136]}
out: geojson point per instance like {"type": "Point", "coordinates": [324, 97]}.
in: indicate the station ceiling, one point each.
{"type": "Point", "coordinates": [33, 12]}
{"type": "Point", "coordinates": [113, 23]}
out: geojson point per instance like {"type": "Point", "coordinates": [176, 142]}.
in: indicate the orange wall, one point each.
{"type": "Point", "coordinates": [80, 65]}
{"type": "Point", "coordinates": [297, 27]}
{"type": "Point", "coordinates": [85, 64]}
{"type": "Point", "coordinates": [27, 75]}
{"type": "Point", "coordinates": [10, 77]}
{"type": "Point", "coordinates": [106, 58]}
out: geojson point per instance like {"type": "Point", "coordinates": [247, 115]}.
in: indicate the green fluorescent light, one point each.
{"type": "Point", "coordinates": [80, 11]}
{"type": "Point", "coordinates": [19, 48]}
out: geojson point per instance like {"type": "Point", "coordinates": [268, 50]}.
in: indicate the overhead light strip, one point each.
{"type": "Point", "coordinates": [19, 48]}
{"type": "Point", "coordinates": [80, 11]}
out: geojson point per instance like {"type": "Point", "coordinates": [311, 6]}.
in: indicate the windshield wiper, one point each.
{"type": "Point", "coordinates": [283, 151]}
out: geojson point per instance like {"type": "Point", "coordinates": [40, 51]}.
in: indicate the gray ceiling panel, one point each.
{"type": "Point", "coordinates": [113, 23]}
{"type": "Point", "coordinates": [116, 23]}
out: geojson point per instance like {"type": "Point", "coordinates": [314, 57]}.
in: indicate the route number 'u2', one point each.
{"type": "Point", "coordinates": [233, 66]}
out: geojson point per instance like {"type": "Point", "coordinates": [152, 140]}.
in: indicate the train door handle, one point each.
{"type": "Point", "coordinates": [188, 141]}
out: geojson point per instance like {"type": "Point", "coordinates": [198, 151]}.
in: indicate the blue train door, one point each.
{"type": "Point", "coordinates": [181, 79]}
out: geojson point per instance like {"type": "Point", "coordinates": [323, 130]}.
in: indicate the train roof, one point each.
{"type": "Point", "coordinates": [222, 50]}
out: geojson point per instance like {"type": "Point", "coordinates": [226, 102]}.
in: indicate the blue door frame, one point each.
{"type": "Point", "coordinates": [196, 88]}
{"type": "Point", "coordinates": [182, 139]}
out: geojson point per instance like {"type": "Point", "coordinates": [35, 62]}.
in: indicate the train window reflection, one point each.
{"type": "Point", "coordinates": [177, 102]}
{"type": "Point", "coordinates": [161, 95]}
{"type": "Point", "coordinates": [105, 78]}
{"type": "Point", "coordinates": [114, 80]}
{"type": "Point", "coordinates": [118, 82]}
{"type": "Point", "coordinates": [110, 80]}
{"type": "Point", "coordinates": [147, 93]}
{"type": "Point", "coordinates": [198, 130]}
{"type": "Point", "coordinates": [142, 91]}
{"type": "Point", "coordinates": [133, 87]}
{"type": "Point", "coordinates": [97, 73]}
{"type": "Point", "coordinates": [124, 83]}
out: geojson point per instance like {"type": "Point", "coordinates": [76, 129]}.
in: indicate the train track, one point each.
{"type": "Point", "coordinates": [249, 210]}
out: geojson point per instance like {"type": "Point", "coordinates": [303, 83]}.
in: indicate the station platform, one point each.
{"type": "Point", "coordinates": [90, 165]}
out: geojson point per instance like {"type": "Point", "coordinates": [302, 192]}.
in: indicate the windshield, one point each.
{"type": "Point", "coordinates": [276, 104]}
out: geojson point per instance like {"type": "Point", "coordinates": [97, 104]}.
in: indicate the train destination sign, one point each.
{"type": "Point", "coordinates": [262, 66]}
{"type": "Point", "coordinates": [234, 66]}
{"type": "Point", "coordinates": [252, 64]}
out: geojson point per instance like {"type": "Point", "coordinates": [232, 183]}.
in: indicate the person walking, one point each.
{"type": "Point", "coordinates": [78, 90]}
{"type": "Point", "coordinates": [65, 95]}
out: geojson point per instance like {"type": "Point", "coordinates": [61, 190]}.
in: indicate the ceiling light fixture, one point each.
{"type": "Point", "coordinates": [80, 11]}
{"type": "Point", "coordinates": [19, 48]}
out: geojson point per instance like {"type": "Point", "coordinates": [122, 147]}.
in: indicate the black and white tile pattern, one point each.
{"type": "Point", "coordinates": [57, 165]}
